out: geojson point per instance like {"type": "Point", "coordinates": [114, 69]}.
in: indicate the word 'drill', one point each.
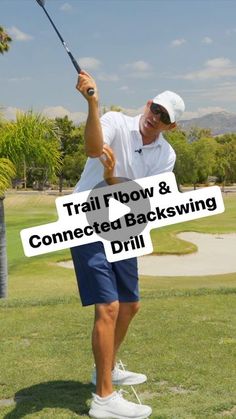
{"type": "Point", "coordinates": [154, 202]}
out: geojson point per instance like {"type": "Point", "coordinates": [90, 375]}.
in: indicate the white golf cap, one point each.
{"type": "Point", "coordinates": [172, 102]}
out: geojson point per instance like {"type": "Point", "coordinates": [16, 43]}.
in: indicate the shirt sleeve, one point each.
{"type": "Point", "coordinates": [166, 165]}
{"type": "Point", "coordinates": [169, 166]}
{"type": "Point", "coordinates": [108, 123]}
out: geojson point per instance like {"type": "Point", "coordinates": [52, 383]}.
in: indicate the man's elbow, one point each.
{"type": "Point", "coordinates": [94, 153]}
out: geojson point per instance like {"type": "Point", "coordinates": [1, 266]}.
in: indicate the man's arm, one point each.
{"type": "Point", "coordinates": [93, 131]}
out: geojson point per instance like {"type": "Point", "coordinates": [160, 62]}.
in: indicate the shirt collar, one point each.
{"type": "Point", "coordinates": [135, 127]}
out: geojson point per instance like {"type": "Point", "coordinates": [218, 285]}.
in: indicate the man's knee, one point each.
{"type": "Point", "coordinates": [129, 309]}
{"type": "Point", "coordinates": [107, 312]}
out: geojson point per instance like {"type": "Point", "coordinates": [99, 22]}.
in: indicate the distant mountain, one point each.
{"type": "Point", "coordinates": [218, 122]}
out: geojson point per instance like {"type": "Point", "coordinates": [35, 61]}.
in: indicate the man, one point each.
{"type": "Point", "coordinates": [118, 145]}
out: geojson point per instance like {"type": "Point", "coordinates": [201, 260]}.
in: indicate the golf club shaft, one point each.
{"type": "Point", "coordinates": [76, 65]}
{"type": "Point", "coordinates": [73, 60]}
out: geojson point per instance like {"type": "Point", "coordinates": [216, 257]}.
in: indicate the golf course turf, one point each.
{"type": "Point", "coordinates": [184, 337]}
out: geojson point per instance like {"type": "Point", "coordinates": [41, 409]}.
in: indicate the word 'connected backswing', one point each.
{"type": "Point", "coordinates": [121, 216]}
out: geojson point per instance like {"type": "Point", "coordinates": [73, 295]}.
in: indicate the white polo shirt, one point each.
{"type": "Point", "coordinates": [133, 159]}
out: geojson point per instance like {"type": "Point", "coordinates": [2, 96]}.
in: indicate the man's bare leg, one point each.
{"type": "Point", "coordinates": [103, 345]}
{"type": "Point", "coordinates": [126, 313]}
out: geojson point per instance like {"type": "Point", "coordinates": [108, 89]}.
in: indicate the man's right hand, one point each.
{"type": "Point", "coordinates": [108, 160]}
{"type": "Point", "coordinates": [85, 82]}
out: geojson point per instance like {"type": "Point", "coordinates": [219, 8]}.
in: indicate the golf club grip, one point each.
{"type": "Point", "coordinates": [91, 91]}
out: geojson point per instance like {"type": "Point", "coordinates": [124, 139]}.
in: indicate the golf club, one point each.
{"type": "Point", "coordinates": [74, 62]}
{"type": "Point", "coordinates": [133, 390]}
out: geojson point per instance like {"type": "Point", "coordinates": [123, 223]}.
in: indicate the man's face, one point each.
{"type": "Point", "coordinates": [151, 125]}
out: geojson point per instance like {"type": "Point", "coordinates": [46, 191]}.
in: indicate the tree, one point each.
{"type": "Point", "coordinates": [32, 139]}
{"type": "Point", "coordinates": [74, 165]}
{"type": "Point", "coordinates": [67, 144]}
{"type": "Point", "coordinates": [184, 157]}
{"type": "Point", "coordinates": [5, 40]}
{"type": "Point", "coordinates": [225, 167]}
{"type": "Point", "coordinates": [31, 142]}
{"type": "Point", "coordinates": [195, 160]}
{"type": "Point", "coordinates": [72, 149]}
{"type": "Point", "coordinates": [196, 133]}
{"type": "Point", "coordinates": [7, 172]}
{"type": "Point", "coordinates": [204, 151]}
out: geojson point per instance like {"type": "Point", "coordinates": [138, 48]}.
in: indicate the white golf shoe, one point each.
{"type": "Point", "coordinates": [121, 377]}
{"type": "Point", "coordinates": [116, 407]}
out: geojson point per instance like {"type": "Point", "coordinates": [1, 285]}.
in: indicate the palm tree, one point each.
{"type": "Point", "coordinates": [5, 40]}
{"type": "Point", "coordinates": [7, 172]}
{"type": "Point", "coordinates": [32, 141]}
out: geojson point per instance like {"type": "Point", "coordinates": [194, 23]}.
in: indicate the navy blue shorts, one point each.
{"type": "Point", "coordinates": [100, 281]}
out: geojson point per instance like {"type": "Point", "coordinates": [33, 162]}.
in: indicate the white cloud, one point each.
{"type": "Point", "coordinates": [213, 69]}
{"type": "Point", "coordinates": [206, 40]}
{"type": "Point", "coordinates": [59, 112]}
{"type": "Point", "coordinates": [51, 112]}
{"type": "Point", "coordinates": [222, 93]}
{"type": "Point", "coordinates": [78, 117]}
{"type": "Point", "coordinates": [202, 111]}
{"type": "Point", "coordinates": [218, 63]}
{"type": "Point", "coordinates": [178, 42]}
{"type": "Point", "coordinates": [18, 35]}
{"type": "Point", "coordinates": [139, 69]}
{"type": "Point", "coordinates": [129, 111]}
{"type": "Point", "coordinates": [126, 90]}
{"type": "Point", "coordinates": [132, 111]}
{"type": "Point", "coordinates": [55, 111]}
{"type": "Point", "coordinates": [18, 79]}
{"type": "Point", "coordinates": [14, 79]}
{"type": "Point", "coordinates": [10, 112]}
{"type": "Point", "coordinates": [66, 7]}
{"type": "Point", "coordinates": [89, 63]}
{"type": "Point", "coordinates": [108, 77]}
{"type": "Point", "coordinates": [140, 66]}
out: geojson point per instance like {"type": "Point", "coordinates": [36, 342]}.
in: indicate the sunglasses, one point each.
{"type": "Point", "coordinates": [157, 110]}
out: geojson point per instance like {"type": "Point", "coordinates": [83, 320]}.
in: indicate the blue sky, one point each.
{"type": "Point", "coordinates": [134, 49]}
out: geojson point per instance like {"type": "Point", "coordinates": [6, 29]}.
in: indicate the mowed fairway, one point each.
{"type": "Point", "coordinates": [184, 338]}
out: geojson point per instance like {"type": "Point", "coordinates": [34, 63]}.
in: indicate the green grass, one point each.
{"type": "Point", "coordinates": [25, 211]}
{"type": "Point", "coordinates": [165, 240]}
{"type": "Point", "coordinates": [184, 337]}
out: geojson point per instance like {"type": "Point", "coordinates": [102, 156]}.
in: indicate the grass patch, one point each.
{"type": "Point", "coordinates": [165, 241]}
{"type": "Point", "coordinates": [183, 338]}
{"type": "Point", "coordinates": [26, 210]}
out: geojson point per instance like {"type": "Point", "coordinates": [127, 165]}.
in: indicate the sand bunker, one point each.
{"type": "Point", "coordinates": [216, 255]}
